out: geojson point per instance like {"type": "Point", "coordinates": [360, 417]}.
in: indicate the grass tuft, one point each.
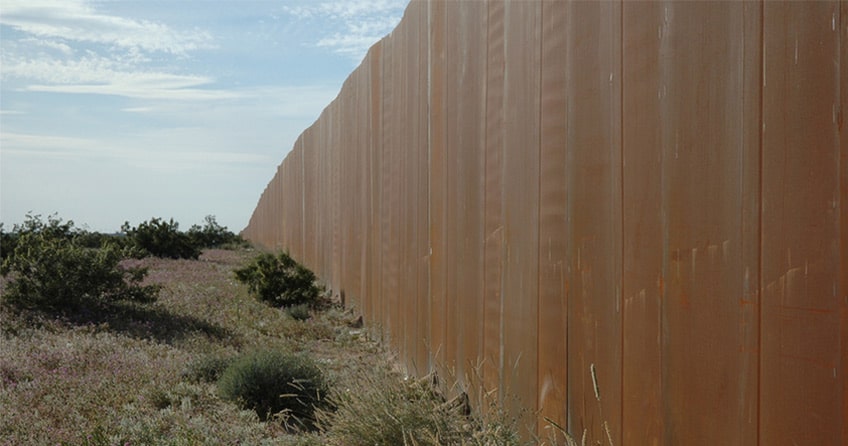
{"type": "Point", "coordinates": [278, 384]}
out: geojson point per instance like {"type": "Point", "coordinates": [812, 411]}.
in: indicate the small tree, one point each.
{"type": "Point", "coordinates": [279, 280]}
{"type": "Point", "coordinates": [50, 269]}
{"type": "Point", "coordinates": [161, 239]}
{"type": "Point", "coordinates": [212, 235]}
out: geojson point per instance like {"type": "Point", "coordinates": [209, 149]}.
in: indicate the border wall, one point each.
{"type": "Point", "coordinates": [658, 190]}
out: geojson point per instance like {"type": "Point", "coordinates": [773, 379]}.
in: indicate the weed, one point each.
{"type": "Point", "coordinates": [381, 407]}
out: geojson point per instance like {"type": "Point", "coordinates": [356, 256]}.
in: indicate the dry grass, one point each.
{"type": "Point", "coordinates": [136, 374]}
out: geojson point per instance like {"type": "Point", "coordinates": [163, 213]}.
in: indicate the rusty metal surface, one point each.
{"type": "Point", "coordinates": [521, 192]}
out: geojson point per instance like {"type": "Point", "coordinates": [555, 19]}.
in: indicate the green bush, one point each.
{"type": "Point", "coordinates": [213, 235]}
{"type": "Point", "coordinates": [49, 269]}
{"type": "Point", "coordinates": [91, 239]}
{"type": "Point", "coordinates": [275, 383]}
{"type": "Point", "coordinates": [161, 239]}
{"type": "Point", "coordinates": [279, 280]}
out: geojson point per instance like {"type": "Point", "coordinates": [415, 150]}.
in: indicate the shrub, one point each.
{"type": "Point", "coordinates": [299, 312]}
{"type": "Point", "coordinates": [49, 269]}
{"type": "Point", "coordinates": [213, 235]}
{"type": "Point", "coordinates": [279, 280]}
{"type": "Point", "coordinates": [275, 383]}
{"type": "Point", "coordinates": [91, 239]}
{"type": "Point", "coordinates": [161, 239]}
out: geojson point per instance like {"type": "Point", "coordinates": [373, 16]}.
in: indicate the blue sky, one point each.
{"type": "Point", "coordinates": [123, 110]}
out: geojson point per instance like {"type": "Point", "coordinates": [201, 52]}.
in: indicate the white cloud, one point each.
{"type": "Point", "coordinates": [101, 75]}
{"type": "Point", "coordinates": [364, 22]}
{"type": "Point", "coordinates": [65, 147]}
{"type": "Point", "coordinates": [69, 47]}
{"type": "Point", "coordinates": [50, 44]}
{"type": "Point", "coordinates": [74, 20]}
{"type": "Point", "coordinates": [38, 145]}
{"type": "Point", "coordinates": [133, 89]}
{"type": "Point", "coordinates": [138, 109]}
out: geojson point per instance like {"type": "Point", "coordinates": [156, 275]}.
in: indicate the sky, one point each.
{"type": "Point", "coordinates": [125, 110]}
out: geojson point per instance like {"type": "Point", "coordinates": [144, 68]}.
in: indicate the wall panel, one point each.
{"type": "Point", "coordinates": [800, 225]}
{"type": "Point", "coordinates": [492, 361]}
{"type": "Point", "coordinates": [593, 172]}
{"type": "Point", "coordinates": [645, 226]}
{"type": "Point", "coordinates": [522, 44]}
{"type": "Point", "coordinates": [553, 242]}
{"type": "Point", "coordinates": [437, 180]}
{"type": "Point", "coordinates": [703, 196]}
{"type": "Point", "coordinates": [466, 140]}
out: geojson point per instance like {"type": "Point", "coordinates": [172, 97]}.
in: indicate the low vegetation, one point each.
{"type": "Point", "coordinates": [209, 363]}
{"type": "Point", "coordinates": [382, 407]}
{"type": "Point", "coordinates": [161, 238]}
{"type": "Point", "coordinates": [50, 269]}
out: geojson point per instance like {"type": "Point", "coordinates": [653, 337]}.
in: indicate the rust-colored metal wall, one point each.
{"type": "Point", "coordinates": [552, 195]}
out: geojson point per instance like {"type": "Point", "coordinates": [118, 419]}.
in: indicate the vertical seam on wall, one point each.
{"type": "Point", "coordinates": [430, 357]}
{"type": "Point", "coordinates": [761, 122]}
{"type": "Point", "coordinates": [841, 181]}
{"type": "Point", "coordinates": [621, 210]}
{"type": "Point", "coordinates": [504, 253]}
{"type": "Point", "coordinates": [482, 347]}
{"type": "Point", "coordinates": [566, 264]}
{"type": "Point", "coordinates": [541, 28]}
